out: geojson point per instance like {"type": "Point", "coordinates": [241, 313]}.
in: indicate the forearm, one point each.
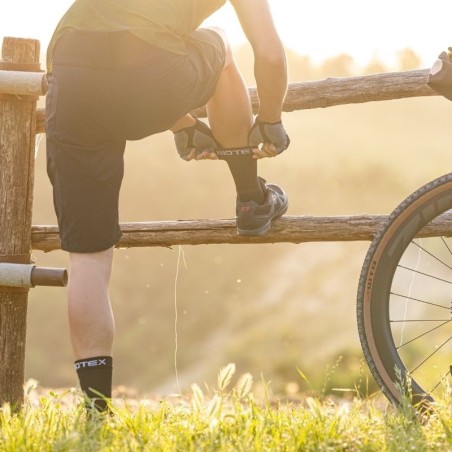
{"type": "Point", "coordinates": [271, 80]}
{"type": "Point", "coordinates": [270, 67]}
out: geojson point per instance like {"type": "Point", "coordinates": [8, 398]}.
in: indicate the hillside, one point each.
{"type": "Point", "coordinates": [268, 308]}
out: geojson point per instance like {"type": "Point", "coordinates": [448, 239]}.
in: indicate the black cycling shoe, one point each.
{"type": "Point", "coordinates": [256, 219]}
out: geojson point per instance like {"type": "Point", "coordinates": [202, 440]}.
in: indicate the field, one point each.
{"type": "Point", "coordinates": [270, 309]}
{"type": "Point", "coordinates": [224, 418]}
{"type": "Point", "coordinates": [284, 314]}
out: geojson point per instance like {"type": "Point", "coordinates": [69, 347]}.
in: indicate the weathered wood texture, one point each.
{"type": "Point", "coordinates": [356, 90]}
{"type": "Point", "coordinates": [17, 144]}
{"type": "Point", "coordinates": [23, 83]}
{"type": "Point", "coordinates": [337, 91]}
{"type": "Point", "coordinates": [287, 229]}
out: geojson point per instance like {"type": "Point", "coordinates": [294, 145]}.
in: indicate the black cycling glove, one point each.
{"type": "Point", "coordinates": [269, 132]}
{"type": "Point", "coordinates": [198, 137]}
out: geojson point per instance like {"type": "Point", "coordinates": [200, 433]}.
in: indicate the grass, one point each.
{"type": "Point", "coordinates": [227, 418]}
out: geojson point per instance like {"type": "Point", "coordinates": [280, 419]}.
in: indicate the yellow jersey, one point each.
{"type": "Point", "coordinates": [163, 23]}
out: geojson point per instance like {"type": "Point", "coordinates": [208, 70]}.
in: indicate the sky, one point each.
{"type": "Point", "coordinates": [319, 29]}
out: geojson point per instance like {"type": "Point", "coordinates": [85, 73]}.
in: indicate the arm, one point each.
{"type": "Point", "coordinates": [270, 66]}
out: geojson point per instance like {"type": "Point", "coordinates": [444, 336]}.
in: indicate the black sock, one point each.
{"type": "Point", "coordinates": [95, 376]}
{"type": "Point", "coordinates": [244, 172]}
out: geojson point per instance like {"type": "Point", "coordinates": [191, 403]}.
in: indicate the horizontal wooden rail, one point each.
{"type": "Point", "coordinates": [288, 229]}
{"type": "Point", "coordinates": [337, 91]}
{"type": "Point", "coordinates": [23, 83]}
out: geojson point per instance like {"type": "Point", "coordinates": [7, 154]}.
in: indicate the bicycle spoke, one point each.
{"type": "Point", "coordinates": [442, 379]}
{"type": "Point", "coordinates": [420, 301]}
{"type": "Point", "coordinates": [432, 255]}
{"type": "Point", "coordinates": [424, 274]}
{"type": "Point", "coordinates": [423, 334]}
{"type": "Point", "coordinates": [446, 245]}
{"type": "Point", "coordinates": [431, 354]}
{"type": "Point", "coordinates": [419, 320]}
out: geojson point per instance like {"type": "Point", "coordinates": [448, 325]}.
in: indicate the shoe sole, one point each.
{"type": "Point", "coordinates": [266, 227]}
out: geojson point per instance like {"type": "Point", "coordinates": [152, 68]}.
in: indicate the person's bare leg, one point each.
{"type": "Point", "coordinates": [231, 118]}
{"type": "Point", "coordinates": [91, 323]}
{"type": "Point", "coordinates": [229, 110]}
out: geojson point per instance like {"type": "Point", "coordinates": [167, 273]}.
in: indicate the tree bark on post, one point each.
{"type": "Point", "coordinates": [17, 146]}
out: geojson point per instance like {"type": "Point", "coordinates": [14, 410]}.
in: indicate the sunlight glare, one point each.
{"type": "Point", "coordinates": [320, 29]}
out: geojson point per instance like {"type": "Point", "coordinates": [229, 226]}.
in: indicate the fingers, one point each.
{"type": "Point", "coordinates": [204, 155]}
{"type": "Point", "coordinates": [268, 150]}
{"type": "Point", "coordinates": [191, 154]}
{"type": "Point", "coordinates": [207, 155]}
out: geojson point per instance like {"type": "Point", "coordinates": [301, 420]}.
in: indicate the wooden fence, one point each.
{"type": "Point", "coordinates": [21, 82]}
{"type": "Point", "coordinates": [300, 96]}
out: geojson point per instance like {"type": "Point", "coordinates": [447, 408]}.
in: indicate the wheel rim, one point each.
{"type": "Point", "coordinates": [406, 296]}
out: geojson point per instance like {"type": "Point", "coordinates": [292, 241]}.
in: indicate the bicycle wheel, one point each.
{"type": "Point", "coordinates": [404, 304]}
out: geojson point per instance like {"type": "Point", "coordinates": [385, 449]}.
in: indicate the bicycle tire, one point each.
{"type": "Point", "coordinates": [395, 263]}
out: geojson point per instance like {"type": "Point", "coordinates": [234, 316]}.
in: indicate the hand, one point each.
{"type": "Point", "coordinates": [269, 139]}
{"type": "Point", "coordinates": [196, 143]}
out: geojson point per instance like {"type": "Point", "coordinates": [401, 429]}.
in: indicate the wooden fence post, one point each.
{"type": "Point", "coordinates": [17, 147]}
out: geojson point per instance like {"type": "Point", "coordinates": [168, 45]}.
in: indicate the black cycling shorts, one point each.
{"type": "Point", "coordinates": [105, 89]}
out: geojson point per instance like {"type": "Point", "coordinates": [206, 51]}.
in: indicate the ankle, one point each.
{"type": "Point", "coordinates": [256, 194]}
{"type": "Point", "coordinates": [95, 377]}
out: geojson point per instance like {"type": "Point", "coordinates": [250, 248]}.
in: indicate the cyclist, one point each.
{"type": "Point", "coordinates": [121, 71]}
